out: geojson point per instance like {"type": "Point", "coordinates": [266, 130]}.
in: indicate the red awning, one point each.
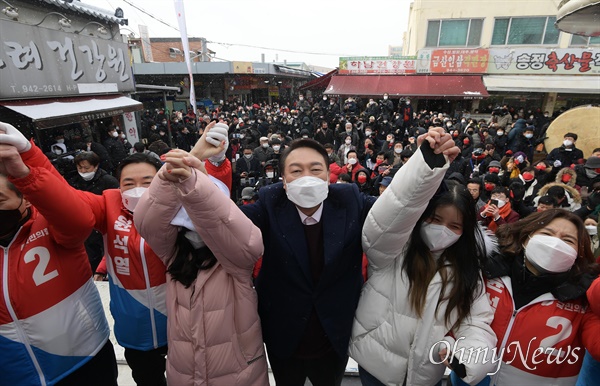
{"type": "Point", "coordinates": [319, 83]}
{"type": "Point", "coordinates": [430, 86]}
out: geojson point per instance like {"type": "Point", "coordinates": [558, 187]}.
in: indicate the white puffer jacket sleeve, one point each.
{"type": "Point", "coordinates": [392, 218]}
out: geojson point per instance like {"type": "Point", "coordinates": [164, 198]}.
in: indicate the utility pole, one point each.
{"type": "Point", "coordinates": [204, 55]}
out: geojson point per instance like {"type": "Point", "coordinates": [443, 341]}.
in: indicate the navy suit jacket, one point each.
{"type": "Point", "coordinates": [286, 294]}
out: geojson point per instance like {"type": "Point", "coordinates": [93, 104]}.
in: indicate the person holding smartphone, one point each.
{"type": "Point", "coordinates": [498, 211]}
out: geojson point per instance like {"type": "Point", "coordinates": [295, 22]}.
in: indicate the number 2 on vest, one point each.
{"type": "Point", "coordinates": [39, 275]}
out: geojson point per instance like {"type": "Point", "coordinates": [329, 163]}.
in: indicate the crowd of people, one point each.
{"type": "Point", "coordinates": [344, 228]}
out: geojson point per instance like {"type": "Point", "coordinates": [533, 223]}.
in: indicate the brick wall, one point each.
{"type": "Point", "coordinates": [160, 50]}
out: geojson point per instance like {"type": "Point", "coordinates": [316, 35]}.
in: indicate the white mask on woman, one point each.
{"type": "Point", "coordinates": [307, 192]}
{"type": "Point", "coordinates": [550, 254]}
{"type": "Point", "coordinates": [437, 237]}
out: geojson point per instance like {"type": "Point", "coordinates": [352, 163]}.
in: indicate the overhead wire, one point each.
{"type": "Point", "coordinates": [235, 44]}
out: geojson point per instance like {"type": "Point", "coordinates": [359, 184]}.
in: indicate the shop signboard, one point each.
{"type": "Point", "coordinates": [458, 61]}
{"type": "Point", "coordinates": [274, 91]}
{"type": "Point", "coordinates": [383, 65]}
{"type": "Point", "coordinates": [242, 68]}
{"type": "Point", "coordinates": [37, 62]}
{"type": "Point", "coordinates": [544, 61]}
{"type": "Point", "coordinates": [424, 61]}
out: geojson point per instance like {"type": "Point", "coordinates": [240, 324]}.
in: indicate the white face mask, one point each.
{"type": "Point", "coordinates": [131, 197]}
{"type": "Point", "coordinates": [592, 229]}
{"type": "Point", "coordinates": [550, 254]}
{"type": "Point", "coordinates": [87, 176]}
{"type": "Point", "coordinates": [437, 237]}
{"type": "Point", "coordinates": [248, 156]}
{"type": "Point", "coordinates": [385, 97]}
{"type": "Point", "coordinates": [307, 192]}
{"type": "Point", "coordinates": [324, 98]}
{"type": "Point", "coordinates": [123, 135]}
{"type": "Point", "coordinates": [567, 142]}
{"type": "Point", "coordinates": [265, 145]}
{"type": "Point", "coordinates": [195, 239]}
{"type": "Point", "coordinates": [348, 141]}
{"type": "Point", "coordinates": [397, 150]}
{"type": "Point", "coordinates": [500, 133]}
{"type": "Point", "coordinates": [352, 161]}
{"type": "Point", "coordinates": [115, 134]}
{"type": "Point", "coordinates": [276, 147]}
{"type": "Point", "coordinates": [591, 173]}
{"type": "Point", "coordinates": [270, 174]}
{"type": "Point", "coordinates": [528, 136]}
{"type": "Point", "coordinates": [368, 133]}
{"type": "Point", "coordinates": [501, 203]}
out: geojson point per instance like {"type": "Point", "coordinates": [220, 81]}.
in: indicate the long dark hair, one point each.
{"type": "Point", "coordinates": [511, 238]}
{"type": "Point", "coordinates": [189, 261]}
{"type": "Point", "coordinates": [460, 264]}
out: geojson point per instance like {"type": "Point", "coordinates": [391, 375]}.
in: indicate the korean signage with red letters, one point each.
{"type": "Point", "coordinates": [461, 61]}
{"type": "Point", "coordinates": [543, 61]}
{"type": "Point", "coordinates": [378, 65]}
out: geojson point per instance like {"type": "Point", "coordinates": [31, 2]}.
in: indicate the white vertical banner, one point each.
{"type": "Point", "coordinates": [180, 11]}
{"type": "Point", "coordinates": [130, 128]}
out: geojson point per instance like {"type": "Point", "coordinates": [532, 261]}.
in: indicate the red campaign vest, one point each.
{"type": "Point", "coordinates": [41, 273]}
{"type": "Point", "coordinates": [545, 323]}
{"type": "Point", "coordinates": [123, 243]}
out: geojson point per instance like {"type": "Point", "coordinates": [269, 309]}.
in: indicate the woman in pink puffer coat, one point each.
{"type": "Point", "coordinates": [214, 332]}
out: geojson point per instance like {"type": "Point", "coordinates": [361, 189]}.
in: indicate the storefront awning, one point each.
{"type": "Point", "coordinates": [319, 83]}
{"type": "Point", "coordinates": [426, 86]}
{"type": "Point", "coordinates": [47, 113]}
{"type": "Point", "coordinates": [570, 84]}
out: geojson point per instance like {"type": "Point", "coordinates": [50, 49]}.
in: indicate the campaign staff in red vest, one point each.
{"type": "Point", "coordinates": [53, 330]}
{"type": "Point", "coordinates": [136, 274]}
{"type": "Point", "coordinates": [537, 289]}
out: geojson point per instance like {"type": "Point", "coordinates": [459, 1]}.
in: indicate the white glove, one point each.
{"type": "Point", "coordinates": [557, 164]}
{"type": "Point", "coordinates": [14, 137]}
{"type": "Point", "coordinates": [215, 136]}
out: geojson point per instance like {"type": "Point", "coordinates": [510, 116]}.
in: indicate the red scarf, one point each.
{"type": "Point", "coordinates": [504, 212]}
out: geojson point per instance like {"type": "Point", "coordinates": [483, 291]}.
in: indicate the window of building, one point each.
{"type": "Point", "coordinates": [525, 30]}
{"type": "Point", "coordinates": [577, 40]}
{"type": "Point", "coordinates": [454, 33]}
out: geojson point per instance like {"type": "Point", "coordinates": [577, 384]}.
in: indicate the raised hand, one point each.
{"type": "Point", "coordinates": [205, 147]}
{"type": "Point", "coordinates": [441, 142]}
{"type": "Point", "coordinates": [11, 163]}
{"type": "Point", "coordinates": [176, 170]}
{"type": "Point", "coordinates": [11, 136]}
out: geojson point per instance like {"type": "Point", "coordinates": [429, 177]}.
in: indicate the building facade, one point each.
{"type": "Point", "coordinates": [523, 58]}
{"type": "Point", "coordinates": [64, 67]}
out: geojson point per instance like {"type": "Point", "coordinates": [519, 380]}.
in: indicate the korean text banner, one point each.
{"type": "Point", "coordinates": [461, 61]}
{"type": "Point", "coordinates": [378, 65]}
{"type": "Point", "coordinates": [38, 62]}
{"type": "Point", "coordinates": [532, 60]}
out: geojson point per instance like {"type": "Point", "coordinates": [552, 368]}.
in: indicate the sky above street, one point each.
{"type": "Point", "coordinates": [317, 31]}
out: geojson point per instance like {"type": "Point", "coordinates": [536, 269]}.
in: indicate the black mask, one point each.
{"type": "Point", "coordinates": [10, 219]}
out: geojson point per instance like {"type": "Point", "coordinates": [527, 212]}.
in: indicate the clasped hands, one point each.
{"type": "Point", "coordinates": [179, 163]}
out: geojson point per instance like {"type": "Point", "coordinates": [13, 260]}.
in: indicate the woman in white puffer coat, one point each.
{"type": "Point", "coordinates": [425, 253]}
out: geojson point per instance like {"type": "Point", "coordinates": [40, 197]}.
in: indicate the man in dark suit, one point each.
{"type": "Point", "coordinates": [310, 280]}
